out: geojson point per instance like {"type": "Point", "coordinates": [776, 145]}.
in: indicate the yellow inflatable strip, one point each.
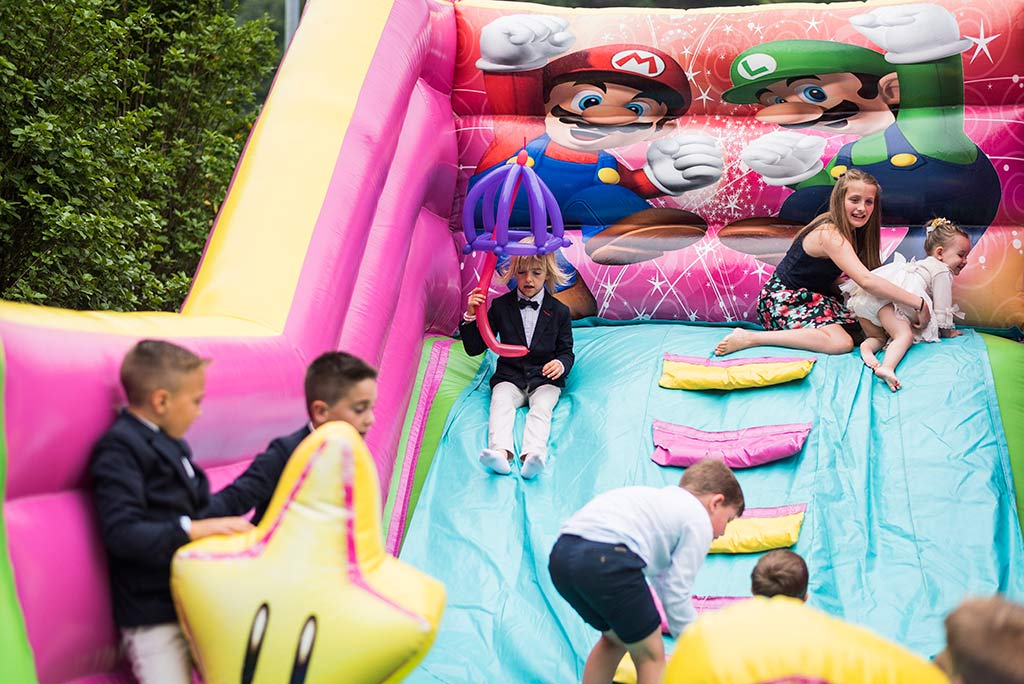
{"type": "Point", "coordinates": [761, 529]}
{"type": "Point", "coordinates": [143, 324]}
{"type": "Point", "coordinates": [256, 252]}
{"type": "Point", "coordinates": [697, 373]}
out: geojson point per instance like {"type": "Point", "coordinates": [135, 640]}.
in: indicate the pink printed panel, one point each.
{"type": "Point", "coordinates": [939, 129]}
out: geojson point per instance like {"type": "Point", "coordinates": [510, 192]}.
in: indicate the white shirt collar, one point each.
{"type": "Point", "coordinates": [539, 297]}
{"type": "Point", "coordinates": [150, 424]}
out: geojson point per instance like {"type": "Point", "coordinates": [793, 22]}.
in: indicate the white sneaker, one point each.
{"type": "Point", "coordinates": [495, 461]}
{"type": "Point", "coordinates": [533, 465]}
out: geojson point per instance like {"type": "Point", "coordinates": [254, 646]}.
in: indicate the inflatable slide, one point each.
{"type": "Point", "coordinates": [342, 229]}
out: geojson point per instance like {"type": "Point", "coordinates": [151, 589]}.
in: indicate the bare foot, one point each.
{"type": "Point", "coordinates": [735, 341]}
{"type": "Point", "coordinates": [887, 375]}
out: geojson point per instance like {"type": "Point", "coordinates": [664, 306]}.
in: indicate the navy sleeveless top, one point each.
{"type": "Point", "coordinates": [799, 269]}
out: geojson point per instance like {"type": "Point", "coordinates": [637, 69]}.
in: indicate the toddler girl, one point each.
{"type": "Point", "coordinates": [947, 246]}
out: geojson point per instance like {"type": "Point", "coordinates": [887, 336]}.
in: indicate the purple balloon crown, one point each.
{"type": "Point", "coordinates": [497, 190]}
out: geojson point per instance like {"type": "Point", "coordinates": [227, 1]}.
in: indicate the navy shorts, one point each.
{"type": "Point", "coordinates": [605, 584]}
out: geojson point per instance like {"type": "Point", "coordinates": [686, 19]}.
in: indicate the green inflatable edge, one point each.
{"type": "Point", "coordinates": [460, 369]}
{"type": "Point", "coordinates": [1006, 359]}
{"type": "Point", "coordinates": [18, 664]}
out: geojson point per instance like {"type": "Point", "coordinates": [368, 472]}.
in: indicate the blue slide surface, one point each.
{"type": "Point", "coordinates": [909, 495]}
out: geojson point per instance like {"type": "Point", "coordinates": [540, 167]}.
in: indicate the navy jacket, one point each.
{"type": "Point", "coordinates": [552, 339]}
{"type": "Point", "coordinates": [141, 489]}
{"type": "Point", "coordinates": [255, 487]}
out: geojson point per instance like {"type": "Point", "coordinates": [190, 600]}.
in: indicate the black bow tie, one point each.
{"type": "Point", "coordinates": [523, 303]}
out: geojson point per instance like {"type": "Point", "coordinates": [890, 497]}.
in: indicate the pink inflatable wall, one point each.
{"type": "Point", "coordinates": [379, 273]}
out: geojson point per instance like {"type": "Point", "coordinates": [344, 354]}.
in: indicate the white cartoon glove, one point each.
{"type": "Point", "coordinates": [683, 162]}
{"type": "Point", "coordinates": [519, 42]}
{"type": "Point", "coordinates": [911, 34]}
{"type": "Point", "coordinates": [785, 157]}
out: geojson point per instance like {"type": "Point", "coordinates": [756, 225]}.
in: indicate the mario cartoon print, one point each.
{"type": "Point", "coordinates": [906, 106]}
{"type": "Point", "coordinates": [572, 108]}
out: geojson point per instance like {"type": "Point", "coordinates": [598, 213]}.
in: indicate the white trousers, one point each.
{"type": "Point", "coordinates": [158, 654]}
{"type": "Point", "coordinates": [505, 399]}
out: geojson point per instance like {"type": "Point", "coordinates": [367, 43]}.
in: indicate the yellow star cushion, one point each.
{"type": "Point", "coordinates": [309, 595]}
{"type": "Point", "coordinates": [783, 640]}
{"type": "Point", "coordinates": [698, 373]}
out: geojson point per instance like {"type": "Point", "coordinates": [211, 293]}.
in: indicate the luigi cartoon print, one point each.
{"type": "Point", "coordinates": [906, 106]}
{"type": "Point", "coordinates": [572, 108]}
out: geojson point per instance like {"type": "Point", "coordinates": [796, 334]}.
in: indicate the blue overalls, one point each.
{"type": "Point", "coordinates": [589, 195]}
{"type": "Point", "coordinates": [915, 189]}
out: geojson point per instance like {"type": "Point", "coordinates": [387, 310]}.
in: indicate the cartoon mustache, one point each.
{"type": "Point", "coordinates": [573, 119]}
{"type": "Point", "coordinates": [838, 114]}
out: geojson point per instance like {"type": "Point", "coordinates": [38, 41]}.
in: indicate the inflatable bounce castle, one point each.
{"type": "Point", "coordinates": [684, 149]}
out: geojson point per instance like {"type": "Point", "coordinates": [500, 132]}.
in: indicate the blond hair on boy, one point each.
{"type": "Point", "coordinates": [554, 276]}
{"type": "Point", "coordinates": [154, 364]}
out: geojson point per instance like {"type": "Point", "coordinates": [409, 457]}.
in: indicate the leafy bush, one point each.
{"type": "Point", "coordinates": [121, 122]}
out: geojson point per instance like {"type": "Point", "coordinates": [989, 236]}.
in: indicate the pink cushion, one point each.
{"type": "Point", "coordinates": [701, 604]}
{"type": "Point", "coordinates": [682, 446]}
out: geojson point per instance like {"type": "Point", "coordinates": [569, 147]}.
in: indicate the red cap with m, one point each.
{"type": "Point", "coordinates": [637, 66]}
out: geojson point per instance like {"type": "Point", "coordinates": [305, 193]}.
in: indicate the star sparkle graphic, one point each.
{"type": "Point", "coordinates": [981, 42]}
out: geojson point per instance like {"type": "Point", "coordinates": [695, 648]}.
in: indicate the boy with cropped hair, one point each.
{"type": "Point", "coordinates": [338, 386]}
{"type": "Point", "coordinates": [780, 573]}
{"type": "Point", "coordinates": [611, 547]}
{"type": "Point", "coordinates": [151, 499]}
{"type": "Point", "coordinates": [984, 639]}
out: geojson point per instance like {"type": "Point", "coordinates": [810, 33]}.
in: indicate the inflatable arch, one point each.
{"type": "Point", "coordinates": [341, 229]}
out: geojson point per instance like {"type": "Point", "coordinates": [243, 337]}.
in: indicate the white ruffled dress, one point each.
{"type": "Point", "coordinates": [928, 278]}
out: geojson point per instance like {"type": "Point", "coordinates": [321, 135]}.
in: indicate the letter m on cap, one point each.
{"type": "Point", "coordinates": [639, 62]}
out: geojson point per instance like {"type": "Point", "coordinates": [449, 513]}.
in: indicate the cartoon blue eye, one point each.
{"type": "Point", "coordinates": [639, 108]}
{"type": "Point", "coordinates": [586, 99]}
{"type": "Point", "coordinates": [813, 94]}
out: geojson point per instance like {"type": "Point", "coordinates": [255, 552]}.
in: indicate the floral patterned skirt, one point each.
{"type": "Point", "coordinates": [780, 308]}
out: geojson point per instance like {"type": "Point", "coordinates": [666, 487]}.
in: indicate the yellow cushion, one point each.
{"type": "Point", "coordinates": [697, 373]}
{"type": "Point", "coordinates": [311, 587]}
{"type": "Point", "coordinates": [761, 529]}
{"type": "Point", "coordinates": [783, 640]}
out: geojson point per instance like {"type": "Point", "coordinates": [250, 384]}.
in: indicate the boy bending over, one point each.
{"type": "Point", "coordinates": [609, 548]}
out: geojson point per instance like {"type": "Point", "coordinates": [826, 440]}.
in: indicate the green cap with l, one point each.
{"type": "Point", "coordinates": [767, 63]}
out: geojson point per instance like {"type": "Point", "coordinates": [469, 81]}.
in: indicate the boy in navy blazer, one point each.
{"type": "Point", "coordinates": [151, 499]}
{"type": "Point", "coordinates": [339, 386]}
{"type": "Point", "coordinates": [532, 317]}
